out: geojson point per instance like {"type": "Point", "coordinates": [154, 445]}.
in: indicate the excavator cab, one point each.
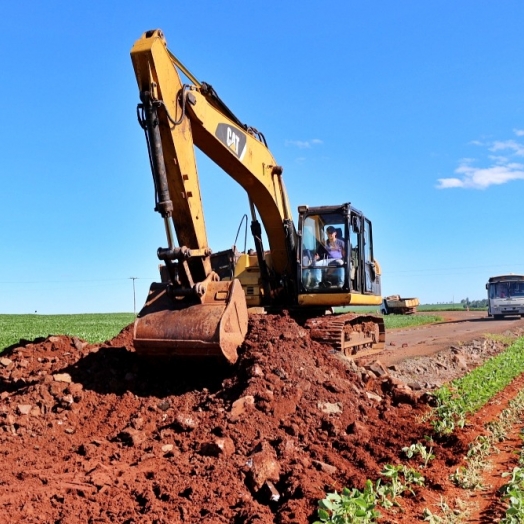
{"type": "Point", "coordinates": [336, 268]}
{"type": "Point", "coordinates": [335, 252]}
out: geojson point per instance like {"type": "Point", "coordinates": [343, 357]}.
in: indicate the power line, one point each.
{"type": "Point", "coordinates": [73, 281]}
{"type": "Point", "coordinates": [447, 269]}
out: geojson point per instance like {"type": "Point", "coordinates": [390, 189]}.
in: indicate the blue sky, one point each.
{"type": "Point", "coordinates": [413, 111]}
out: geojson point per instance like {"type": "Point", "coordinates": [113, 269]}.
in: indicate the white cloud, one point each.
{"type": "Point", "coordinates": [498, 159]}
{"type": "Point", "coordinates": [508, 144]}
{"type": "Point", "coordinates": [503, 169]}
{"type": "Point", "coordinates": [481, 178]}
{"type": "Point", "coordinates": [304, 144]}
{"type": "Point", "coordinates": [445, 183]}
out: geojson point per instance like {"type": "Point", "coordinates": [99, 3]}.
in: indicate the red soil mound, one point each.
{"type": "Point", "coordinates": [97, 434]}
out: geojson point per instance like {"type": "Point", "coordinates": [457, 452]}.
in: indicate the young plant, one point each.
{"type": "Point", "coordinates": [395, 488]}
{"type": "Point", "coordinates": [513, 492]}
{"type": "Point", "coordinates": [383, 492]}
{"type": "Point", "coordinates": [449, 413]}
{"type": "Point", "coordinates": [350, 506]}
{"type": "Point", "coordinates": [419, 449]}
{"type": "Point", "coordinates": [389, 492]}
{"type": "Point", "coordinates": [468, 477]}
{"type": "Point", "coordinates": [447, 515]}
{"type": "Point", "coordinates": [480, 447]}
{"type": "Point", "coordinates": [412, 477]}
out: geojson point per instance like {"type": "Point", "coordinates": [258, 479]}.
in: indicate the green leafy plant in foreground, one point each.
{"type": "Point", "coordinates": [513, 491]}
{"type": "Point", "coordinates": [401, 478]}
{"type": "Point", "coordinates": [449, 413]}
{"type": "Point", "coordinates": [419, 449]}
{"type": "Point", "coordinates": [354, 506]}
{"type": "Point", "coordinates": [396, 486]}
{"type": "Point", "coordinates": [350, 506]}
{"type": "Point", "coordinates": [469, 393]}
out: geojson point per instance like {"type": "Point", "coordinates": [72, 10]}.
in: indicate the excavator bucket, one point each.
{"type": "Point", "coordinates": [213, 327]}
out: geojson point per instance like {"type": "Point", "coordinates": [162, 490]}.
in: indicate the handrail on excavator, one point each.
{"type": "Point", "coordinates": [183, 68]}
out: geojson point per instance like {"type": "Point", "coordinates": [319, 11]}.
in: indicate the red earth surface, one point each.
{"type": "Point", "coordinates": [96, 434]}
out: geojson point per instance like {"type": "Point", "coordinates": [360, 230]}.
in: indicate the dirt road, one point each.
{"type": "Point", "coordinates": [458, 327]}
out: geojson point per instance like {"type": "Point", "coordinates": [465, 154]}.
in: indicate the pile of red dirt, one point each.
{"type": "Point", "coordinates": [98, 434]}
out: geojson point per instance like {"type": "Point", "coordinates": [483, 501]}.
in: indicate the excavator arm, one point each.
{"type": "Point", "coordinates": [191, 312]}
{"type": "Point", "coordinates": [192, 114]}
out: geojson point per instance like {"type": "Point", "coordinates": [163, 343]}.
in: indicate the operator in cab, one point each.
{"type": "Point", "coordinates": [333, 248]}
{"type": "Point", "coordinates": [330, 254]}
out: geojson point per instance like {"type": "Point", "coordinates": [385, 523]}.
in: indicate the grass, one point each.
{"type": "Point", "coordinates": [98, 327]}
{"type": "Point", "coordinates": [441, 307]}
{"type": "Point", "coordinates": [393, 321]}
{"type": "Point", "coordinates": [402, 321]}
{"type": "Point", "coordinates": [93, 328]}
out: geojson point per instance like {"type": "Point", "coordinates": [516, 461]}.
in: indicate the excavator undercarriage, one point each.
{"type": "Point", "coordinates": [348, 333]}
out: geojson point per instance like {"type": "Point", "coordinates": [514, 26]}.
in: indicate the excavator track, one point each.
{"type": "Point", "coordinates": [350, 334]}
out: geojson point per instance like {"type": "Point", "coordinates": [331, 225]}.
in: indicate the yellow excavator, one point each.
{"type": "Point", "coordinates": [201, 305]}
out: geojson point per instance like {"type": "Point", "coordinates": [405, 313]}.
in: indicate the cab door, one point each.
{"type": "Point", "coordinates": [370, 284]}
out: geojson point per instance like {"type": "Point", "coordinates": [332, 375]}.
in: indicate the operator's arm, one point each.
{"type": "Point", "coordinates": [321, 252]}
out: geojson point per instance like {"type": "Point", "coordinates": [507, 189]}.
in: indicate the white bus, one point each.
{"type": "Point", "coordinates": [505, 296]}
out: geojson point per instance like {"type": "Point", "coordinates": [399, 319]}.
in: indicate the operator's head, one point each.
{"type": "Point", "coordinates": [330, 230]}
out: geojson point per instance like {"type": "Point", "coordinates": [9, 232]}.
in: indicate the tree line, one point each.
{"type": "Point", "coordinates": [474, 304]}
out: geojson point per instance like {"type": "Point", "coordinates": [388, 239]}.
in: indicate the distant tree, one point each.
{"type": "Point", "coordinates": [474, 304]}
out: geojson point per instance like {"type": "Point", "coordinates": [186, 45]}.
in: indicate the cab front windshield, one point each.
{"type": "Point", "coordinates": [324, 251]}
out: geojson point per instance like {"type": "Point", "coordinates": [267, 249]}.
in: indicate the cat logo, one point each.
{"type": "Point", "coordinates": [233, 139]}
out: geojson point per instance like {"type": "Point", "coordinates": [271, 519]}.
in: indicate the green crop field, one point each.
{"type": "Point", "coordinates": [93, 328]}
{"type": "Point", "coordinates": [402, 321]}
{"type": "Point", "coordinates": [442, 307]}
{"type": "Point", "coordinates": [99, 327]}
{"type": "Point", "coordinates": [394, 321]}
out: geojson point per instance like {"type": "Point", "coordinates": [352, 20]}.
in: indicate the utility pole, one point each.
{"type": "Point", "coordinates": [134, 296]}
